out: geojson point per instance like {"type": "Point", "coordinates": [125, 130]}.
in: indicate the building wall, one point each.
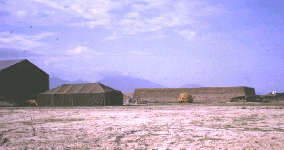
{"type": "Point", "coordinates": [23, 81]}
{"type": "Point", "coordinates": [203, 94]}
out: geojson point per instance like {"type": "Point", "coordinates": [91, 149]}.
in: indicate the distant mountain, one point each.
{"type": "Point", "coordinates": [128, 84]}
{"type": "Point", "coordinates": [191, 85]}
{"type": "Point", "coordinates": [79, 81]}
{"type": "Point", "coordinates": [55, 82]}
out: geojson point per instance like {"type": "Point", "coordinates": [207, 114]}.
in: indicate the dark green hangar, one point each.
{"type": "Point", "coordinates": [21, 80]}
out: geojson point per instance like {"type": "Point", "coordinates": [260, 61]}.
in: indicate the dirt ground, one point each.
{"type": "Point", "coordinates": [190, 126]}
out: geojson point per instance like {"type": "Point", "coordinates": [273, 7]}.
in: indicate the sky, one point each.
{"type": "Point", "coordinates": [169, 42]}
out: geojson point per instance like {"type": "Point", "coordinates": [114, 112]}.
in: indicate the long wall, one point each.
{"type": "Point", "coordinates": [202, 94]}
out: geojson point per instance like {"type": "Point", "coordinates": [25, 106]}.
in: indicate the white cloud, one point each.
{"type": "Point", "coordinates": [91, 24]}
{"type": "Point", "coordinates": [157, 4]}
{"type": "Point", "coordinates": [46, 62]}
{"type": "Point", "coordinates": [147, 16]}
{"type": "Point", "coordinates": [159, 36]}
{"type": "Point", "coordinates": [113, 37]}
{"type": "Point", "coordinates": [189, 35]}
{"type": "Point", "coordinates": [137, 53]}
{"type": "Point", "coordinates": [139, 7]}
{"type": "Point", "coordinates": [156, 20]}
{"type": "Point", "coordinates": [82, 51]}
{"type": "Point", "coordinates": [78, 50]}
{"type": "Point", "coordinates": [133, 15]}
{"type": "Point", "coordinates": [50, 4]}
{"type": "Point", "coordinates": [126, 22]}
{"type": "Point", "coordinates": [40, 12]}
{"type": "Point", "coordinates": [166, 20]}
{"type": "Point", "coordinates": [159, 15]}
{"type": "Point", "coordinates": [24, 42]}
{"type": "Point", "coordinates": [138, 26]}
{"type": "Point", "coordinates": [21, 14]}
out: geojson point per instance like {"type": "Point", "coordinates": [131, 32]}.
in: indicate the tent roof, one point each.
{"type": "Point", "coordinates": [80, 89]}
{"type": "Point", "coordinates": [7, 63]}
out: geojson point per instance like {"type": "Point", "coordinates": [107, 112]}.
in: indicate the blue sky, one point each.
{"type": "Point", "coordinates": [169, 42]}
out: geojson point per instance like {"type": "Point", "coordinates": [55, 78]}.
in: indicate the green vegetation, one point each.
{"type": "Point", "coordinates": [278, 129]}
{"type": "Point", "coordinates": [228, 126]}
{"type": "Point", "coordinates": [198, 123]}
{"type": "Point", "coordinates": [130, 141]}
{"type": "Point", "coordinates": [211, 139]}
{"type": "Point", "coordinates": [51, 120]}
{"type": "Point", "coordinates": [256, 129]}
{"type": "Point", "coordinates": [27, 123]}
{"type": "Point", "coordinates": [75, 119]}
{"type": "Point", "coordinates": [196, 136]}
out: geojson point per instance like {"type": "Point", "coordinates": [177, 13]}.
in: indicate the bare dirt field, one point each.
{"type": "Point", "coordinates": [189, 126]}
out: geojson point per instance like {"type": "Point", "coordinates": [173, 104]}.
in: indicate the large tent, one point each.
{"type": "Point", "coordinates": [21, 80]}
{"type": "Point", "coordinates": [88, 94]}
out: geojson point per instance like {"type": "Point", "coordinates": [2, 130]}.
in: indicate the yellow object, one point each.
{"type": "Point", "coordinates": [32, 102]}
{"type": "Point", "coordinates": [185, 97]}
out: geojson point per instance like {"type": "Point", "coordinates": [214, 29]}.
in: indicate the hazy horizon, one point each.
{"type": "Point", "coordinates": [168, 42]}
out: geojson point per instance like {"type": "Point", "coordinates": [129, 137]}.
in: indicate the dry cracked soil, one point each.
{"type": "Point", "coordinates": [143, 127]}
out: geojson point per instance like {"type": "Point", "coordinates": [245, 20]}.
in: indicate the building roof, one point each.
{"type": "Point", "coordinates": [4, 64]}
{"type": "Point", "coordinates": [225, 87]}
{"type": "Point", "coordinates": [7, 63]}
{"type": "Point", "coordinates": [80, 89]}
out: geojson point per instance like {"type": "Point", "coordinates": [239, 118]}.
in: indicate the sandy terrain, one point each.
{"type": "Point", "coordinates": [188, 126]}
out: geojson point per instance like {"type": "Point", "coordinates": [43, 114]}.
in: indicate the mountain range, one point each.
{"type": "Point", "coordinates": [128, 84]}
{"type": "Point", "coordinates": [122, 83]}
{"type": "Point", "coordinates": [55, 82]}
{"type": "Point", "coordinates": [191, 85]}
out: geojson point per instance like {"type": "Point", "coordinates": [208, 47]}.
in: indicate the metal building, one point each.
{"type": "Point", "coordinates": [21, 80]}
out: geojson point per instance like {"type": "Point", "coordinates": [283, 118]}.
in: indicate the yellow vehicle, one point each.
{"type": "Point", "coordinates": [31, 103]}
{"type": "Point", "coordinates": [185, 97]}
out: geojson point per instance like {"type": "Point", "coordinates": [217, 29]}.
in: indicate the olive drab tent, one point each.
{"type": "Point", "coordinates": [88, 94]}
